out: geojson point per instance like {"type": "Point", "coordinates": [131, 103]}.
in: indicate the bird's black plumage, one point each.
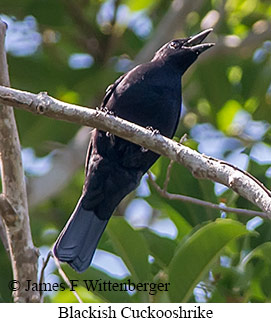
{"type": "Point", "coordinates": [148, 95]}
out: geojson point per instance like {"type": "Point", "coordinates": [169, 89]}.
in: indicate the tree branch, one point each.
{"type": "Point", "coordinates": [3, 235]}
{"type": "Point", "coordinates": [201, 166]}
{"type": "Point", "coordinates": [7, 211]}
{"type": "Point", "coordinates": [193, 200]}
{"type": "Point", "coordinates": [45, 263]}
{"type": "Point", "coordinates": [15, 218]}
{"type": "Point", "coordinates": [65, 278]}
{"type": "Point", "coordinates": [88, 36]}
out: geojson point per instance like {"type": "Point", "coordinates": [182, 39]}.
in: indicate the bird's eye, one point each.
{"type": "Point", "coordinates": [174, 45]}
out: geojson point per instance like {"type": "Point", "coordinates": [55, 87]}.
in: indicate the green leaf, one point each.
{"type": "Point", "coordinates": [196, 255]}
{"type": "Point", "coordinates": [161, 248]}
{"type": "Point", "coordinates": [131, 247]}
{"type": "Point", "coordinates": [235, 74]}
{"type": "Point", "coordinates": [136, 5]}
{"type": "Point", "coordinates": [167, 210]}
{"type": "Point", "coordinates": [266, 285]}
{"type": "Point", "coordinates": [226, 115]}
{"type": "Point", "coordinates": [263, 251]}
{"type": "Point", "coordinates": [66, 296]}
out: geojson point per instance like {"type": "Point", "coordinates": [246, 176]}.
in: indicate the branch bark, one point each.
{"type": "Point", "coordinates": [188, 199]}
{"type": "Point", "coordinates": [14, 208]}
{"type": "Point", "coordinates": [201, 166]}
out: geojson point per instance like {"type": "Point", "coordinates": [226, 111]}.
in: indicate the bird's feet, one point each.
{"type": "Point", "coordinates": [143, 149]}
{"type": "Point", "coordinates": [154, 131]}
{"type": "Point", "coordinates": [111, 137]}
{"type": "Point", "coordinates": [106, 111]}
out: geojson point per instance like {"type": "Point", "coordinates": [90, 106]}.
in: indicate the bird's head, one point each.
{"type": "Point", "coordinates": [183, 52]}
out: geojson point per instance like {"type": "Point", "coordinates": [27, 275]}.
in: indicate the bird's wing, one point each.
{"type": "Point", "coordinates": [110, 89]}
{"type": "Point", "coordinates": [91, 147]}
{"type": "Point", "coordinates": [88, 157]}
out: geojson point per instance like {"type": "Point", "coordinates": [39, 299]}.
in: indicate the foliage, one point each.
{"type": "Point", "coordinates": [73, 50]}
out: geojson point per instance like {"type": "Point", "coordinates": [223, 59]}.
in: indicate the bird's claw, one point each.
{"type": "Point", "coordinates": [111, 137]}
{"type": "Point", "coordinates": [154, 131]}
{"type": "Point", "coordinates": [105, 110]}
{"type": "Point", "coordinates": [143, 150]}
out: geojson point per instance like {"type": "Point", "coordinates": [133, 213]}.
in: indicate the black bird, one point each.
{"type": "Point", "coordinates": [150, 96]}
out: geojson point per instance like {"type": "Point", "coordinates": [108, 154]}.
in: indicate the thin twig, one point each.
{"type": "Point", "coordinates": [114, 18]}
{"type": "Point", "coordinates": [44, 265]}
{"type": "Point", "coordinates": [168, 175]}
{"type": "Point", "coordinates": [87, 35]}
{"type": "Point", "coordinates": [182, 140]}
{"type": "Point", "coordinates": [193, 200]}
{"type": "Point", "coordinates": [65, 278]}
{"type": "Point", "coordinates": [111, 42]}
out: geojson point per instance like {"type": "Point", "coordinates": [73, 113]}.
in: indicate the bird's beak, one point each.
{"type": "Point", "coordinates": [194, 42]}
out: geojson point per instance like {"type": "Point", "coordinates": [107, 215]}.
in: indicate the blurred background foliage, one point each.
{"type": "Point", "coordinates": [73, 49]}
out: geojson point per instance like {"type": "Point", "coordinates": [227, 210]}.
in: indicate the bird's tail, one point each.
{"type": "Point", "coordinates": [78, 240]}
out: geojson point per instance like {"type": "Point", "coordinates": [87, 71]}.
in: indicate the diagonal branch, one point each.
{"type": "Point", "coordinates": [23, 255]}
{"type": "Point", "coordinates": [201, 166]}
{"type": "Point", "coordinates": [193, 200]}
{"type": "Point", "coordinates": [66, 279]}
